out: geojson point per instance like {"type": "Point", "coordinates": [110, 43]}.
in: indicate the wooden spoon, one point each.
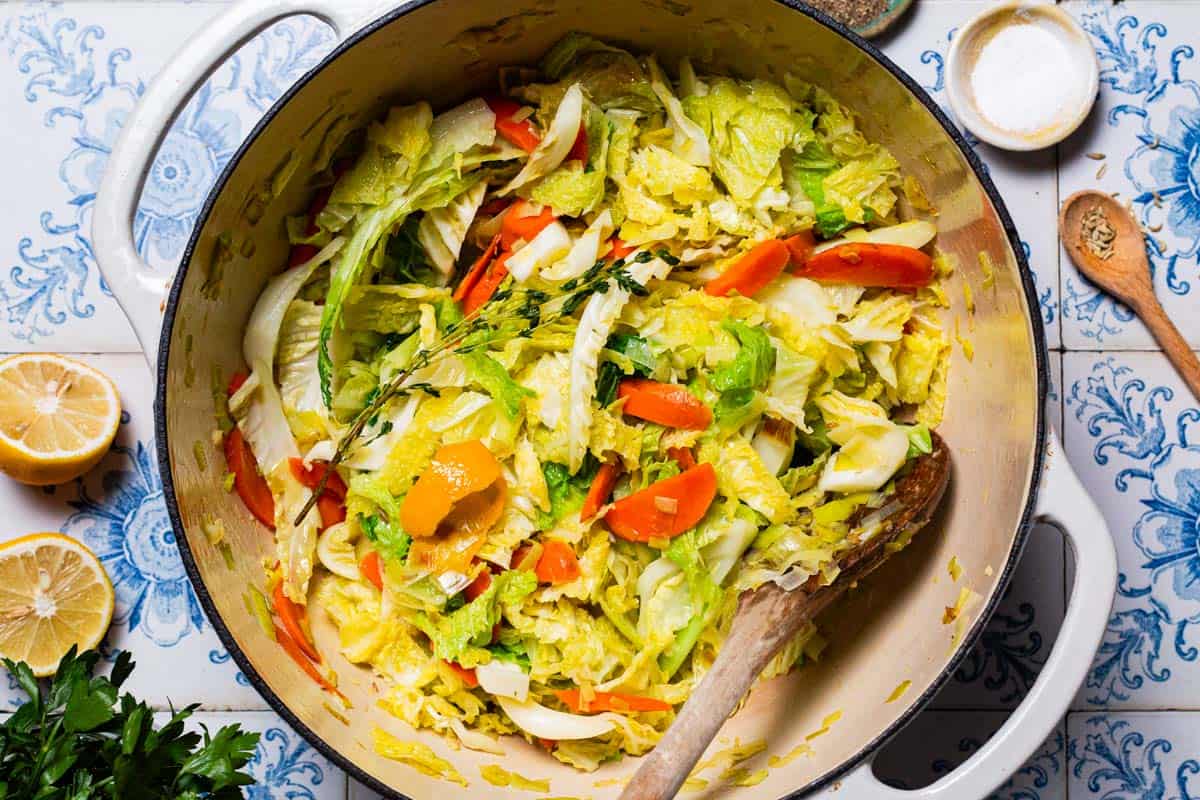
{"type": "Point", "coordinates": [1111, 252]}
{"type": "Point", "coordinates": [768, 618]}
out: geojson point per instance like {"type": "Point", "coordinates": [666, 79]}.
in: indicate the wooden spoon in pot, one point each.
{"type": "Point", "coordinates": [1106, 244]}
{"type": "Point", "coordinates": [768, 618]}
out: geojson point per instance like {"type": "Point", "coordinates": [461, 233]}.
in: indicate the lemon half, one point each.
{"type": "Point", "coordinates": [54, 593]}
{"type": "Point", "coordinates": [58, 417]}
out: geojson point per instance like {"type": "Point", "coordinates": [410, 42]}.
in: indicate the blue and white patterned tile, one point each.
{"type": "Point", "coordinates": [1131, 756]}
{"type": "Point", "coordinates": [937, 742]}
{"type": "Point", "coordinates": [118, 511]}
{"type": "Point", "coordinates": [1133, 438]}
{"type": "Point", "coordinates": [284, 766]}
{"type": "Point", "coordinates": [1146, 125]}
{"type": "Point", "coordinates": [1025, 180]}
{"type": "Point", "coordinates": [69, 76]}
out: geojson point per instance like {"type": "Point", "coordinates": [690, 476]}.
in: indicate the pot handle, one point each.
{"type": "Point", "coordinates": [1064, 503]}
{"type": "Point", "coordinates": [140, 290]}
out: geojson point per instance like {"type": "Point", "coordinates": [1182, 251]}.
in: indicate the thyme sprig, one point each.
{"type": "Point", "coordinates": [512, 312]}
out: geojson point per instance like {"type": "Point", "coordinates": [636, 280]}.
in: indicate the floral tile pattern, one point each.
{"type": "Point", "coordinates": [69, 76]}
{"type": "Point", "coordinates": [1125, 756]}
{"type": "Point", "coordinates": [1131, 434]}
{"type": "Point", "coordinates": [71, 72]}
{"type": "Point", "coordinates": [1146, 127]}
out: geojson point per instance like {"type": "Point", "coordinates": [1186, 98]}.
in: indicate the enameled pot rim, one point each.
{"type": "Point", "coordinates": [1035, 323]}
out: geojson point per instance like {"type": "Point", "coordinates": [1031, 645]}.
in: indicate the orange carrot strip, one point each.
{"type": "Point", "coordinates": [609, 701]}
{"type": "Point", "coordinates": [292, 617]}
{"type": "Point", "coordinates": [665, 508]}
{"type": "Point", "coordinates": [600, 490]}
{"type": "Point", "coordinates": [558, 563]}
{"type": "Point", "coordinates": [892, 266]}
{"type": "Point", "coordinates": [371, 568]}
{"type": "Point", "coordinates": [467, 675]}
{"type": "Point", "coordinates": [664, 403]}
{"type": "Point", "coordinates": [750, 273]}
{"type": "Point", "coordinates": [519, 132]}
{"type": "Point", "coordinates": [800, 246]}
{"type": "Point", "coordinates": [247, 480]}
{"type": "Point", "coordinates": [682, 456]}
{"type": "Point", "coordinates": [520, 224]}
{"type": "Point", "coordinates": [476, 271]}
{"type": "Point", "coordinates": [293, 649]}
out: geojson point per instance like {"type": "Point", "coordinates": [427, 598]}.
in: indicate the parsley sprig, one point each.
{"type": "Point", "coordinates": [513, 311]}
{"type": "Point", "coordinates": [79, 740]}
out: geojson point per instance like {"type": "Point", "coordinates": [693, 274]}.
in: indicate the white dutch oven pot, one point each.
{"type": "Point", "coordinates": [1009, 469]}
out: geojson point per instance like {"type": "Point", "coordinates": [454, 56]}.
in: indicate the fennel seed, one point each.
{"type": "Point", "coordinates": [1097, 233]}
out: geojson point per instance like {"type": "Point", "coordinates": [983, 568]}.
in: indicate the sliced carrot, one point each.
{"type": "Point", "coordinates": [558, 563]}
{"type": "Point", "coordinates": [467, 675]}
{"type": "Point", "coordinates": [487, 285]}
{"type": "Point", "coordinates": [619, 248]}
{"type": "Point", "coordinates": [292, 648]}
{"type": "Point", "coordinates": [547, 744]}
{"type": "Point", "coordinates": [481, 584]}
{"type": "Point", "coordinates": [476, 271]}
{"type": "Point", "coordinates": [600, 490]}
{"type": "Point", "coordinates": [247, 480]}
{"type": "Point", "coordinates": [521, 133]}
{"type": "Point", "coordinates": [579, 148]}
{"type": "Point", "coordinates": [331, 509]}
{"type": "Point", "coordinates": [292, 617]}
{"type": "Point", "coordinates": [371, 568]}
{"type": "Point", "coordinates": [682, 456]}
{"type": "Point", "coordinates": [609, 701]}
{"type": "Point", "coordinates": [521, 224]}
{"type": "Point", "coordinates": [456, 471]}
{"type": "Point", "coordinates": [302, 253]}
{"type": "Point", "coordinates": [892, 266]}
{"type": "Point", "coordinates": [800, 246]}
{"type": "Point", "coordinates": [665, 508]}
{"type": "Point", "coordinates": [750, 273]}
{"type": "Point", "coordinates": [236, 380]}
{"type": "Point", "coordinates": [525, 557]}
{"type": "Point", "coordinates": [664, 403]}
{"type": "Point", "coordinates": [311, 476]}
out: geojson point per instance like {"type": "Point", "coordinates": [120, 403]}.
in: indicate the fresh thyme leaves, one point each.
{"type": "Point", "coordinates": [513, 311]}
{"type": "Point", "coordinates": [79, 740]}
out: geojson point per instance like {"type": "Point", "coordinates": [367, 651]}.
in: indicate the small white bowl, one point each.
{"type": "Point", "coordinates": [970, 41]}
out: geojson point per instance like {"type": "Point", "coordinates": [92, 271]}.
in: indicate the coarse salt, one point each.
{"type": "Point", "coordinates": [1025, 79]}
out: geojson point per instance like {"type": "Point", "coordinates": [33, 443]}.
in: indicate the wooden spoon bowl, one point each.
{"type": "Point", "coordinates": [1106, 243]}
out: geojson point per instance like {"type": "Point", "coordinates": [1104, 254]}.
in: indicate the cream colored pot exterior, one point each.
{"type": "Point", "coordinates": [888, 632]}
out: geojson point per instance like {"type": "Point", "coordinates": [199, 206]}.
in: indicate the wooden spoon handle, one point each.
{"type": "Point", "coordinates": [767, 619]}
{"type": "Point", "coordinates": [1172, 342]}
